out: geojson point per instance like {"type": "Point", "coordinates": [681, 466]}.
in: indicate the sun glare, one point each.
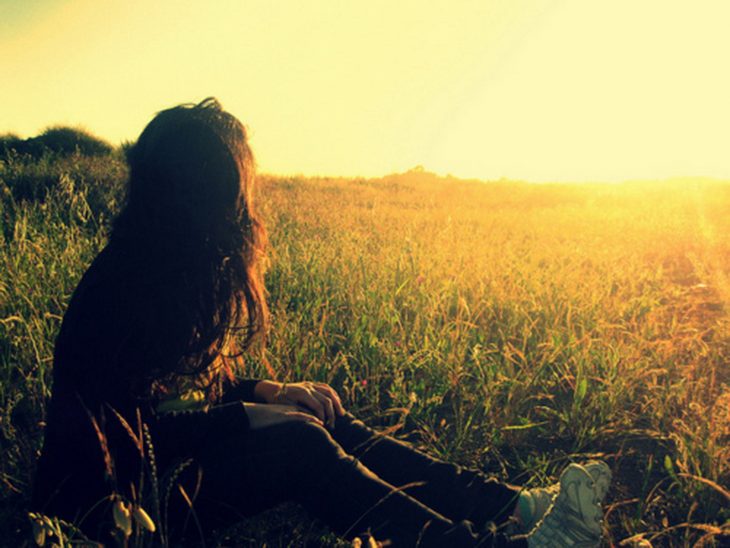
{"type": "Point", "coordinates": [530, 89]}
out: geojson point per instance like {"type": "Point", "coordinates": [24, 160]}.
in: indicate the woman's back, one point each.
{"type": "Point", "coordinates": [101, 354]}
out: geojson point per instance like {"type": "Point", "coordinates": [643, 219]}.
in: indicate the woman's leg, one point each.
{"type": "Point", "coordinates": [243, 474]}
{"type": "Point", "coordinates": [455, 492]}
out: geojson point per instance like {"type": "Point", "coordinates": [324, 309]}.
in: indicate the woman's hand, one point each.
{"type": "Point", "coordinates": [321, 399]}
{"type": "Point", "coordinates": [262, 415]}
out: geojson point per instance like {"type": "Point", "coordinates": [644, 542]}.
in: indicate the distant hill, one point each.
{"type": "Point", "coordinates": [61, 140]}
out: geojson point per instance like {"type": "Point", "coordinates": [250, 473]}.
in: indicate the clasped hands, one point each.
{"type": "Point", "coordinates": [305, 401]}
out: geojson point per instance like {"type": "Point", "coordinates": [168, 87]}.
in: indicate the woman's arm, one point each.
{"type": "Point", "coordinates": [243, 390]}
{"type": "Point", "coordinates": [321, 399]}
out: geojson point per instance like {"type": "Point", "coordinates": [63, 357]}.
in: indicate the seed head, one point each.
{"type": "Point", "coordinates": [143, 519]}
{"type": "Point", "coordinates": [122, 517]}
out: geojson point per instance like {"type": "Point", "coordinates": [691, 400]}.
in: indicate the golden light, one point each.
{"type": "Point", "coordinates": [538, 90]}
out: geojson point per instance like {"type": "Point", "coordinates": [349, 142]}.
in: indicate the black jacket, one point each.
{"type": "Point", "coordinates": [117, 329]}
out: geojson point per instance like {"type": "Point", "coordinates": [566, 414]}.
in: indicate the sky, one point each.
{"type": "Point", "coordinates": [538, 90]}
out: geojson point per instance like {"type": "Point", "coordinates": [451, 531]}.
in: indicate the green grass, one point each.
{"type": "Point", "coordinates": [505, 326]}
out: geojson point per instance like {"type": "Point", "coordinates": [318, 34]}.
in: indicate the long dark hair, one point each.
{"type": "Point", "coordinates": [189, 208]}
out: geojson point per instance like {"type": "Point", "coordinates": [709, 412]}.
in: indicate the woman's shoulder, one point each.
{"type": "Point", "coordinates": [102, 281]}
{"type": "Point", "coordinates": [117, 313]}
{"type": "Point", "coordinates": [113, 265]}
{"type": "Point", "coordinates": [102, 303]}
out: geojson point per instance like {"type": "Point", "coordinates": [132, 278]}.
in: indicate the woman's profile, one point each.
{"type": "Point", "coordinates": [154, 335]}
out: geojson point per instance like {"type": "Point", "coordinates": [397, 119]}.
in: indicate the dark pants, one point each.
{"type": "Point", "coordinates": [352, 478]}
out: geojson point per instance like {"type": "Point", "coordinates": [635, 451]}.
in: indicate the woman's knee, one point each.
{"type": "Point", "coordinates": [315, 453]}
{"type": "Point", "coordinates": [314, 437]}
{"type": "Point", "coordinates": [348, 419]}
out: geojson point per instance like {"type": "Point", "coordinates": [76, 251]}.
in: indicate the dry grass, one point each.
{"type": "Point", "coordinates": [507, 326]}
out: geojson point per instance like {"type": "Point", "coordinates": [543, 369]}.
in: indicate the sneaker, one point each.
{"type": "Point", "coordinates": [574, 519]}
{"type": "Point", "coordinates": [539, 500]}
{"type": "Point", "coordinates": [534, 504]}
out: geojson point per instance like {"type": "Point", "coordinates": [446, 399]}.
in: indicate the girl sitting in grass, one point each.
{"type": "Point", "coordinates": [153, 336]}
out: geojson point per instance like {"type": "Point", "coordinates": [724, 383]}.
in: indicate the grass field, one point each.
{"type": "Point", "coordinates": [506, 326]}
